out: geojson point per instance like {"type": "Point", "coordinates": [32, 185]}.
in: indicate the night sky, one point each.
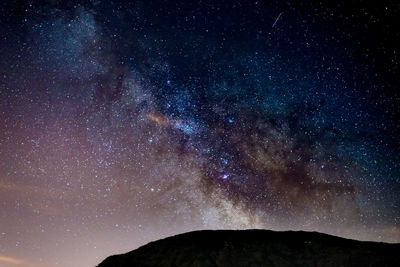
{"type": "Point", "coordinates": [123, 122]}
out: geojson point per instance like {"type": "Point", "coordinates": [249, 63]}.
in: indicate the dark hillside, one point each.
{"type": "Point", "coordinates": [257, 248]}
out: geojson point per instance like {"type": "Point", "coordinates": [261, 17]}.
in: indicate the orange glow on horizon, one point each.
{"type": "Point", "coordinates": [11, 260]}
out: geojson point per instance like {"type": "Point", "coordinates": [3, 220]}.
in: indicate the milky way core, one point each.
{"type": "Point", "coordinates": [123, 122]}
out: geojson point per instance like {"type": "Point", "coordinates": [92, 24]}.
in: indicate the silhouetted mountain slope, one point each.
{"type": "Point", "coordinates": [257, 248]}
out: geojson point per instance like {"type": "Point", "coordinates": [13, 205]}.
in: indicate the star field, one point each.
{"type": "Point", "coordinates": [123, 122]}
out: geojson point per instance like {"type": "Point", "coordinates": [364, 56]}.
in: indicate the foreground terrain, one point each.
{"type": "Point", "coordinates": [257, 248]}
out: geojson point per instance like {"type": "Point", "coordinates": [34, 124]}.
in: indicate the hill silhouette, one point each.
{"type": "Point", "coordinates": [251, 248]}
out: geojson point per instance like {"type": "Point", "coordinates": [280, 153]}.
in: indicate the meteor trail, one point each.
{"type": "Point", "coordinates": [280, 14]}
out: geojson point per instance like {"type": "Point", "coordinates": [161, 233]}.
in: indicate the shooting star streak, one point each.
{"type": "Point", "coordinates": [280, 14]}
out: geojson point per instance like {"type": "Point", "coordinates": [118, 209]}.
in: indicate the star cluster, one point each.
{"type": "Point", "coordinates": [122, 122]}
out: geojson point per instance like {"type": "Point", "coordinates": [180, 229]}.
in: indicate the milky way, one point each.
{"type": "Point", "coordinates": [122, 122]}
